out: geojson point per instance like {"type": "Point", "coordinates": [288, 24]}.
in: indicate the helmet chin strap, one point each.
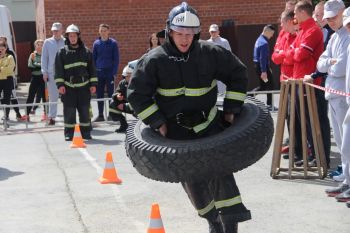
{"type": "Point", "coordinates": [184, 56]}
{"type": "Point", "coordinates": [77, 44]}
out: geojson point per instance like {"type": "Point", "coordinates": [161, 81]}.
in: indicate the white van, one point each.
{"type": "Point", "coordinates": [6, 28]}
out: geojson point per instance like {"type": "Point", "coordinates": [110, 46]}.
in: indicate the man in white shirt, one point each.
{"type": "Point", "coordinates": [50, 48]}
{"type": "Point", "coordinates": [217, 39]}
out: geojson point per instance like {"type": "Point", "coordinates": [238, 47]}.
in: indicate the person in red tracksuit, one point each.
{"type": "Point", "coordinates": [283, 43]}
{"type": "Point", "coordinates": [304, 54]}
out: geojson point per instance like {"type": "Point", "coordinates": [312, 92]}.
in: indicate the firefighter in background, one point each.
{"type": "Point", "coordinates": [173, 89]}
{"type": "Point", "coordinates": [119, 103]}
{"type": "Point", "coordinates": [76, 80]}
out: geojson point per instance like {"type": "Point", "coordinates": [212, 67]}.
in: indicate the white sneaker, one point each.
{"type": "Point", "coordinates": [339, 178]}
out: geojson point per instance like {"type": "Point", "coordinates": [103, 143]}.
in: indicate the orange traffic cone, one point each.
{"type": "Point", "coordinates": [109, 173]}
{"type": "Point", "coordinates": [77, 139]}
{"type": "Point", "coordinates": [155, 223]}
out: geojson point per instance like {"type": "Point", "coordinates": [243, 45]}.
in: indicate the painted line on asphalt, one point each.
{"type": "Point", "coordinates": [91, 160]}
{"type": "Point", "coordinates": [116, 191]}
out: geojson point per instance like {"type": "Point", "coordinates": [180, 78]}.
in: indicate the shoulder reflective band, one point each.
{"type": "Point", "coordinates": [205, 124]}
{"type": "Point", "coordinates": [206, 209]}
{"type": "Point", "coordinates": [235, 95]}
{"type": "Point", "coordinates": [228, 202]}
{"type": "Point", "coordinates": [76, 64]}
{"type": "Point", "coordinates": [186, 91]}
{"type": "Point", "coordinates": [76, 84]}
{"type": "Point", "coordinates": [148, 111]}
{"type": "Point", "coordinates": [115, 111]}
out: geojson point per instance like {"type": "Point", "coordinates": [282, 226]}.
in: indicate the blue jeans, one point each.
{"type": "Point", "coordinates": [105, 80]}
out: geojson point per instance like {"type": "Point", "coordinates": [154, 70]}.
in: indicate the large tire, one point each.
{"type": "Point", "coordinates": [231, 150]}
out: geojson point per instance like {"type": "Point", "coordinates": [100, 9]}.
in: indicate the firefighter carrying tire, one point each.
{"type": "Point", "coordinates": [237, 147]}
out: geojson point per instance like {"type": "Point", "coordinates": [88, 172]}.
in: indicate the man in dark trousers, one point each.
{"type": "Point", "coordinates": [106, 58]}
{"type": "Point", "coordinates": [304, 53]}
{"type": "Point", "coordinates": [322, 103]}
{"type": "Point", "coordinates": [173, 89]}
{"type": "Point", "coordinates": [76, 80]}
{"type": "Point", "coordinates": [262, 63]}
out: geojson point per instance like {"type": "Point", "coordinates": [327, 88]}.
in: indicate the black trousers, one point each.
{"type": "Point", "coordinates": [206, 194]}
{"type": "Point", "coordinates": [117, 116]}
{"type": "Point", "coordinates": [322, 109]}
{"type": "Point", "coordinates": [115, 113]}
{"type": "Point", "coordinates": [298, 135]}
{"type": "Point", "coordinates": [5, 92]}
{"type": "Point", "coordinates": [268, 86]}
{"type": "Point", "coordinates": [36, 88]}
{"type": "Point", "coordinates": [76, 99]}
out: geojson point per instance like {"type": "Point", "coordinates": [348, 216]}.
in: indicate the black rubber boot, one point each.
{"type": "Point", "coordinates": [230, 227]}
{"type": "Point", "coordinates": [123, 126]}
{"type": "Point", "coordinates": [215, 227]}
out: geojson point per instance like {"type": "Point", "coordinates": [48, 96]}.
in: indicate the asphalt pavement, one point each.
{"type": "Point", "coordinates": [45, 186]}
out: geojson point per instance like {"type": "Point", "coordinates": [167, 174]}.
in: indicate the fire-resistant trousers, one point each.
{"type": "Point", "coordinates": [217, 198]}
{"type": "Point", "coordinates": [76, 99]}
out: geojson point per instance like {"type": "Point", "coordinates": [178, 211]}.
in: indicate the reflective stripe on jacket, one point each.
{"type": "Point", "coordinates": [166, 82]}
{"type": "Point", "coordinates": [74, 67]}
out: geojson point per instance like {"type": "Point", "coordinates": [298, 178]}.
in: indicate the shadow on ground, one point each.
{"type": "Point", "coordinates": [96, 141]}
{"type": "Point", "coordinates": [5, 173]}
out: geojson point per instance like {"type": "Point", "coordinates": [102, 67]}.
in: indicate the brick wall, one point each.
{"type": "Point", "coordinates": [132, 21]}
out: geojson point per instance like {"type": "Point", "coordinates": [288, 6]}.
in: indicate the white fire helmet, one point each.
{"type": "Point", "coordinates": [183, 17]}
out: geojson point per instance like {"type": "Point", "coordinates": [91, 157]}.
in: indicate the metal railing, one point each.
{"type": "Point", "coordinates": [46, 104]}
{"type": "Point", "coordinates": [106, 106]}
{"type": "Point", "coordinates": [273, 92]}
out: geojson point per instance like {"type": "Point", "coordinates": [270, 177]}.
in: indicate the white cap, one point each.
{"type": "Point", "coordinates": [332, 8]}
{"type": "Point", "coordinates": [213, 28]}
{"type": "Point", "coordinates": [56, 26]}
{"type": "Point", "coordinates": [132, 64]}
{"type": "Point", "coordinates": [346, 16]}
{"type": "Point", "coordinates": [127, 70]}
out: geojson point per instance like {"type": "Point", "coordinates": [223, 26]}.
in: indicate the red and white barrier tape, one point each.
{"type": "Point", "coordinates": [329, 90]}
